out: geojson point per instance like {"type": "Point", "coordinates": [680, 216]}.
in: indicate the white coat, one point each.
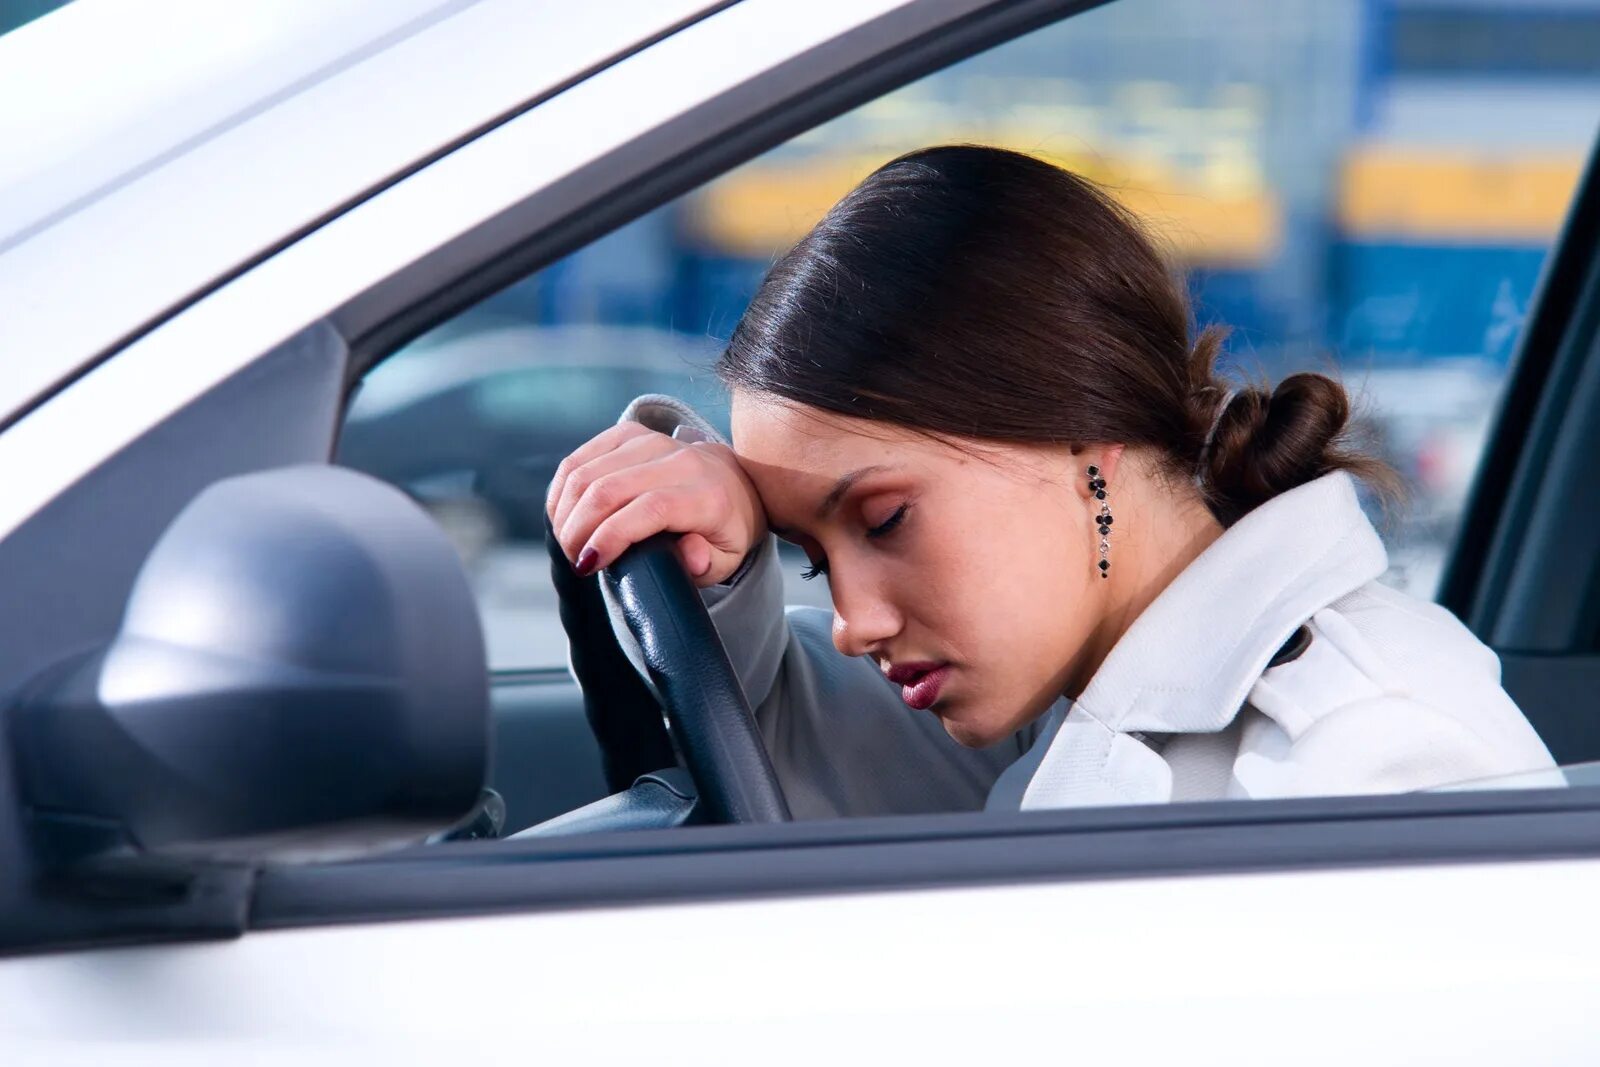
{"type": "Point", "coordinates": [1391, 693]}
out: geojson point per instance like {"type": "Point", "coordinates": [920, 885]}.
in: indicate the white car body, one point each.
{"type": "Point", "coordinates": [133, 284]}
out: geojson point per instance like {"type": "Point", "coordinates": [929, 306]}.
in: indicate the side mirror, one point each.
{"type": "Point", "coordinates": [300, 672]}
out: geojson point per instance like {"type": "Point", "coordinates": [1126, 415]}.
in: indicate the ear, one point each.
{"type": "Point", "coordinates": [1105, 459]}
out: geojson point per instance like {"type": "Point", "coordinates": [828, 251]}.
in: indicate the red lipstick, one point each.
{"type": "Point", "coordinates": [919, 682]}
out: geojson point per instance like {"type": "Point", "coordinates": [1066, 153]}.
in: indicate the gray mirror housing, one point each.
{"type": "Point", "coordinates": [300, 671]}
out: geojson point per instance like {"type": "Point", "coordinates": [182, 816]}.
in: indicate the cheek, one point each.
{"type": "Point", "coordinates": [1033, 597]}
{"type": "Point", "coordinates": [1019, 615]}
{"type": "Point", "coordinates": [999, 577]}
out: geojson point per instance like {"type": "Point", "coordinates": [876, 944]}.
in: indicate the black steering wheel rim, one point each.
{"type": "Point", "coordinates": [706, 708]}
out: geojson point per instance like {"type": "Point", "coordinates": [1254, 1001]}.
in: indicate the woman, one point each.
{"type": "Point", "coordinates": [1049, 530]}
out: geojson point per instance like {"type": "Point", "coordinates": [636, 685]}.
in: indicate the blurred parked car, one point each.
{"type": "Point", "coordinates": [485, 410]}
{"type": "Point", "coordinates": [472, 420]}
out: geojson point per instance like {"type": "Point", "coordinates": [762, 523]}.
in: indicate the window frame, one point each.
{"type": "Point", "coordinates": [893, 853]}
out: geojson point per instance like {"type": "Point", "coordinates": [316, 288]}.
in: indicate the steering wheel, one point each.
{"type": "Point", "coordinates": [705, 705]}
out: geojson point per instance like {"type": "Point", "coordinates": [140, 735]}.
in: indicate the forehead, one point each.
{"type": "Point", "coordinates": [775, 436]}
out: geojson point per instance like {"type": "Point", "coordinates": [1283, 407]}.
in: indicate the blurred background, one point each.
{"type": "Point", "coordinates": [1367, 187]}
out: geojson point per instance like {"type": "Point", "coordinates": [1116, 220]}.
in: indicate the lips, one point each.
{"type": "Point", "coordinates": [919, 682]}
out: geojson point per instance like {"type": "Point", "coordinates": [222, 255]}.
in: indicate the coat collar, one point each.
{"type": "Point", "coordinates": [1189, 660]}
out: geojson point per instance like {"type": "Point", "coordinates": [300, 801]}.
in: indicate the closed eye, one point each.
{"type": "Point", "coordinates": [888, 525]}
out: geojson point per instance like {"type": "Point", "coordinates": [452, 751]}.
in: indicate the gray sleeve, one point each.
{"type": "Point", "coordinates": [841, 740]}
{"type": "Point", "coordinates": [748, 613]}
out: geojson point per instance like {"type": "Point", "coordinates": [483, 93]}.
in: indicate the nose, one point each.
{"type": "Point", "coordinates": [863, 617]}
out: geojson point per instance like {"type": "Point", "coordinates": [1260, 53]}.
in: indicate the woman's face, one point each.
{"type": "Point", "coordinates": [967, 573]}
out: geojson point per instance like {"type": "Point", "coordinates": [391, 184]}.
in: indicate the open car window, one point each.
{"type": "Point", "coordinates": [1369, 190]}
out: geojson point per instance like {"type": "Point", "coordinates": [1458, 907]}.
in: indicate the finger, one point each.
{"type": "Point", "coordinates": [598, 445]}
{"type": "Point", "coordinates": [602, 443]}
{"type": "Point", "coordinates": [674, 508]}
{"type": "Point", "coordinates": [632, 452]}
{"type": "Point", "coordinates": [611, 492]}
{"type": "Point", "coordinates": [694, 552]}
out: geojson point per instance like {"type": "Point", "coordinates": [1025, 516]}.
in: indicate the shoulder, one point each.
{"type": "Point", "coordinates": [1392, 694]}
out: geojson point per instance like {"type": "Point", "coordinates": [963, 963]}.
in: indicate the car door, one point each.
{"type": "Point", "coordinates": [1319, 931]}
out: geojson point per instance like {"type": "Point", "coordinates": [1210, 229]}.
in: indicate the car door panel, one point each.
{"type": "Point", "coordinates": [1189, 970]}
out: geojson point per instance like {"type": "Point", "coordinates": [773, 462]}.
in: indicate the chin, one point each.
{"type": "Point", "coordinates": [973, 727]}
{"type": "Point", "coordinates": [969, 734]}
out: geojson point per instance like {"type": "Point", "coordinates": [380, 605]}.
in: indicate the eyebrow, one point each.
{"type": "Point", "coordinates": [842, 486]}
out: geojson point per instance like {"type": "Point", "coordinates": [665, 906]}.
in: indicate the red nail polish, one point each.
{"type": "Point", "coordinates": [586, 561]}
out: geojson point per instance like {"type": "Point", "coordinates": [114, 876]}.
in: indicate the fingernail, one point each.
{"type": "Point", "coordinates": [684, 432]}
{"type": "Point", "coordinates": [586, 561]}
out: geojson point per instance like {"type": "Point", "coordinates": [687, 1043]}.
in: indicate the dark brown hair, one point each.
{"type": "Point", "coordinates": [977, 292]}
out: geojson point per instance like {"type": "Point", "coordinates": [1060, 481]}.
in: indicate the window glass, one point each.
{"type": "Point", "coordinates": [1369, 187]}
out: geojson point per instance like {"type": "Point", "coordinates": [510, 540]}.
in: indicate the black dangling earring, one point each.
{"type": "Point", "coordinates": [1097, 485]}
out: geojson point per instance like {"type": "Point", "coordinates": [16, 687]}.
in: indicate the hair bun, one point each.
{"type": "Point", "coordinates": [1266, 443]}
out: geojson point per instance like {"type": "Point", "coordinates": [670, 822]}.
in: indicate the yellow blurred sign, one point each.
{"type": "Point", "coordinates": [762, 209]}
{"type": "Point", "coordinates": [1455, 196]}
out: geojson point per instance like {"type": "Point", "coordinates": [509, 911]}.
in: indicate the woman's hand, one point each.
{"type": "Point", "coordinates": [628, 483]}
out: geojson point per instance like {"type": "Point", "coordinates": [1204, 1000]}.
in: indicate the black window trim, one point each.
{"type": "Point", "coordinates": [898, 853]}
